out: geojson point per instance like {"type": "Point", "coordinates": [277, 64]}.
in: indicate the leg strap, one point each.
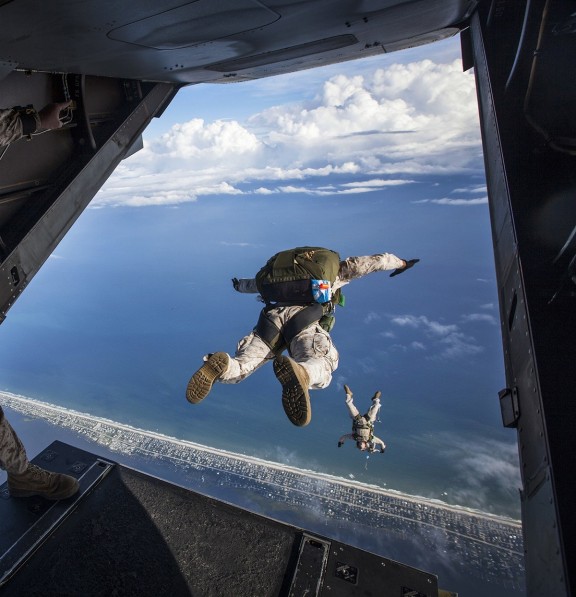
{"type": "Point", "coordinates": [279, 339]}
{"type": "Point", "coordinates": [301, 320]}
{"type": "Point", "coordinates": [270, 333]}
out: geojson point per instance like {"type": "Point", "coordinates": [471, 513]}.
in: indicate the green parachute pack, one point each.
{"type": "Point", "coordinates": [300, 276]}
{"type": "Point", "coordinates": [292, 276]}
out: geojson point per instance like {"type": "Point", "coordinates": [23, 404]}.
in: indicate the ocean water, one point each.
{"type": "Point", "coordinates": [120, 317]}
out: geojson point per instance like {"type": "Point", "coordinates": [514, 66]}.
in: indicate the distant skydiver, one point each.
{"type": "Point", "coordinates": [24, 478]}
{"type": "Point", "coordinates": [301, 288]}
{"type": "Point", "coordinates": [363, 425]}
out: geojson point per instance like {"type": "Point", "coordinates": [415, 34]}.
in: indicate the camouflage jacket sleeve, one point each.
{"type": "Point", "coordinates": [345, 437]}
{"type": "Point", "coordinates": [378, 443]}
{"type": "Point", "coordinates": [16, 123]}
{"type": "Point", "coordinates": [350, 269]}
{"type": "Point", "coordinates": [356, 267]}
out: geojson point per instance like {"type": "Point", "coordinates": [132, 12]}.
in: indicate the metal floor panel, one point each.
{"type": "Point", "coordinates": [136, 535]}
{"type": "Point", "coordinates": [128, 533]}
{"type": "Point", "coordinates": [26, 523]}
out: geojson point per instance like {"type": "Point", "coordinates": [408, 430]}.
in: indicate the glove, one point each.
{"type": "Point", "coordinates": [347, 390]}
{"type": "Point", "coordinates": [381, 450]}
{"type": "Point", "coordinates": [340, 444]}
{"type": "Point", "coordinates": [409, 263]}
{"type": "Point", "coordinates": [235, 283]}
{"type": "Point", "coordinates": [377, 395]}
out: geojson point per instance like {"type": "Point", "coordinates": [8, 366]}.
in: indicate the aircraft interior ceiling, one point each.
{"type": "Point", "coordinates": [222, 41]}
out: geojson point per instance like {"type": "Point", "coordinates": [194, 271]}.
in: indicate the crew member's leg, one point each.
{"type": "Point", "coordinates": [26, 479]}
{"type": "Point", "coordinates": [13, 457]}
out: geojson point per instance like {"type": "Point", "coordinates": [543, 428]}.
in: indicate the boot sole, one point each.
{"type": "Point", "coordinates": [295, 397]}
{"type": "Point", "coordinates": [202, 381]}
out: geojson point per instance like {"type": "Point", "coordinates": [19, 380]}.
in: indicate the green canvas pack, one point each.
{"type": "Point", "coordinates": [286, 277]}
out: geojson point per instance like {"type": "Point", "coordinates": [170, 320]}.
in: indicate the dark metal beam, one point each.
{"type": "Point", "coordinates": [533, 220]}
{"type": "Point", "coordinates": [75, 190]}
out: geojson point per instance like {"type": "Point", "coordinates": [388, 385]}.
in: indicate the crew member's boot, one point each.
{"type": "Point", "coordinates": [202, 381]}
{"type": "Point", "coordinates": [37, 481]}
{"type": "Point", "coordinates": [295, 397]}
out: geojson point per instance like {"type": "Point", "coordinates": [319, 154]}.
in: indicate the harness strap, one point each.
{"type": "Point", "coordinates": [279, 339]}
{"type": "Point", "coordinates": [361, 424]}
{"type": "Point", "coordinates": [270, 333]}
{"type": "Point", "coordinates": [301, 320]}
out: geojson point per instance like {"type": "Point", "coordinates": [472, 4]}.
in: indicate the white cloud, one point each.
{"type": "Point", "coordinates": [283, 455]}
{"type": "Point", "coordinates": [388, 334]}
{"type": "Point", "coordinates": [350, 188]}
{"type": "Point", "coordinates": [448, 201]}
{"type": "Point", "coordinates": [229, 244]}
{"type": "Point", "coordinates": [398, 348]}
{"type": "Point", "coordinates": [473, 189]}
{"type": "Point", "coordinates": [372, 316]}
{"type": "Point", "coordinates": [421, 321]}
{"type": "Point", "coordinates": [206, 141]}
{"type": "Point", "coordinates": [386, 127]}
{"type": "Point", "coordinates": [446, 341]}
{"type": "Point", "coordinates": [479, 317]}
{"type": "Point", "coordinates": [459, 202]}
{"type": "Point", "coordinates": [482, 467]}
{"type": "Point", "coordinates": [367, 366]}
{"type": "Point", "coordinates": [457, 345]}
{"type": "Point", "coordinates": [376, 183]}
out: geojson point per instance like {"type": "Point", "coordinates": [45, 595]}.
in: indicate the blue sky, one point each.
{"type": "Point", "coordinates": [381, 155]}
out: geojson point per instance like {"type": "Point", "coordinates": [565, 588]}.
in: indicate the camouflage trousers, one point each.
{"type": "Point", "coordinates": [370, 416]}
{"type": "Point", "coordinates": [312, 348]}
{"type": "Point", "coordinates": [13, 457]}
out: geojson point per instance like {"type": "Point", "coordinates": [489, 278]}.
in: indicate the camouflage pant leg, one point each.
{"type": "Point", "coordinates": [313, 349]}
{"type": "Point", "coordinates": [352, 410]}
{"type": "Point", "coordinates": [251, 354]}
{"type": "Point", "coordinates": [373, 411]}
{"type": "Point", "coordinates": [13, 457]}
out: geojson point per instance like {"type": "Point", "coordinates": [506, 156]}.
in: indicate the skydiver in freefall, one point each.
{"type": "Point", "coordinates": [300, 327]}
{"type": "Point", "coordinates": [363, 425]}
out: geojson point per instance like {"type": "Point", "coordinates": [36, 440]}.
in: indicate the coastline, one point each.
{"type": "Point", "coordinates": [57, 415]}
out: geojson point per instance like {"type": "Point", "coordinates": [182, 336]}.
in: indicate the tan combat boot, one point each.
{"type": "Point", "coordinates": [202, 381]}
{"type": "Point", "coordinates": [37, 481]}
{"type": "Point", "coordinates": [295, 397]}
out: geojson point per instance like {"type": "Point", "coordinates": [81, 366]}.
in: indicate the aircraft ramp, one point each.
{"type": "Point", "coordinates": [127, 533]}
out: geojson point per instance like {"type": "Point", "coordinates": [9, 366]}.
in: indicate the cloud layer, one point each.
{"type": "Point", "coordinates": [360, 134]}
{"type": "Point", "coordinates": [440, 340]}
{"type": "Point", "coordinates": [482, 467]}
